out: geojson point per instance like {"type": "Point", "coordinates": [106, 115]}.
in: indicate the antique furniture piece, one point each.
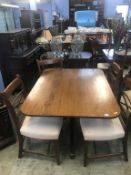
{"type": "Point", "coordinates": [120, 52]}
{"type": "Point", "coordinates": [48, 63]}
{"type": "Point", "coordinates": [79, 80]}
{"type": "Point", "coordinates": [79, 5]}
{"type": "Point", "coordinates": [115, 79]}
{"type": "Point", "coordinates": [62, 24]}
{"type": "Point", "coordinates": [9, 18]}
{"type": "Point", "coordinates": [126, 88]}
{"type": "Point", "coordinates": [71, 93]}
{"type": "Point", "coordinates": [78, 62]}
{"type": "Point", "coordinates": [17, 55]}
{"type": "Point", "coordinates": [7, 135]}
{"type": "Point", "coordinates": [103, 36]}
{"type": "Point", "coordinates": [107, 130]}
{"type": "Point", "coordinates": [32, 127]}
{"type": "Point", "coordinates": [30, 19]}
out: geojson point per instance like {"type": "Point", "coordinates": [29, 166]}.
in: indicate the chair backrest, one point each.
{"type": "Point", "coordinates": [125, 112]}
{"type": "Point", "coordinates": [127, 83]}
{"type": "Point", "coordinates": [115, 77]}
{"type": "Point", "coordinates": [12, 97]}
{"type": "Point", "coordinates": [95, 46]}
{"type": "Point", "coordinates": [48, 63]}
{"type": "Point", "coordinates": [124, 51]}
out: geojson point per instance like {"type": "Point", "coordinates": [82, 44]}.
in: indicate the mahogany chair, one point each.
{"type": "Point", "coordinates": [49, 63]}
{"type": "Point", "coordinates": [115, 78]}
{"type": "Point", "coordinates": [39, 128]}
{"type": "Point", "coordinates": [105, 130]}
{"type": "Point", "coordinates": [126, 88]}
{"type": "Point", "coordinates": [95, 48]}
{"type": "Point", "coordinates": [122, 54]}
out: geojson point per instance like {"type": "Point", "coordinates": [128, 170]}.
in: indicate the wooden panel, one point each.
{"type": "Point", "coordinates": [71, 93]}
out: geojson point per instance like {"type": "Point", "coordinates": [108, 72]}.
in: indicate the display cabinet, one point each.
{"type": "Point", "coordinates": [97, 5]}
{"type": "Point", "coordinates": [30, 19]}
{"type": "Point", "coordinates": [7, 135]}
{"type": "Point", "coordinates": [18, 52]}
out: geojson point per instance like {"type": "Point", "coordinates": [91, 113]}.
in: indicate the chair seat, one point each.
{"type": "Point", "coordinates": [102, 129]}
{"type": "Point", "coordinates": [123, 52]}
{"type": "Point", "coordinates": [104, 66]}
{"type": "Point", "coordinates": [123, 103]}
{"type": "Point", "coordinates": [46, 128]}
{"type": "Point", "coordinates": [128, 93]}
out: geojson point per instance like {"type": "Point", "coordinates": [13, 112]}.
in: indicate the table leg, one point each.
{"type": "Point", "coordinates": [72, 138]}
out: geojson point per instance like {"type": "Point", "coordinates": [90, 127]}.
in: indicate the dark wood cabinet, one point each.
{"type": "Point", "coordinates": [18, 53]}
{"type": "Point", "coordinates": [7, 135]}
{"type": "Point", "coordinates": [62, 25]}
{"type": "Point", "coordinates": [30, 19]}
{"type": "Point", "coordinates": [75, 5]}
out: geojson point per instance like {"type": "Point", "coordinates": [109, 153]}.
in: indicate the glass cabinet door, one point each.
{"type": "Point", "coordinates": [3, 26]}
{"type": "Point", "coordinates": [9, 19]}
{"type": "Point", "coordinates": [6, 19]}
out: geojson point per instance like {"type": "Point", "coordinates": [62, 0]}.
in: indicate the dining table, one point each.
{"type": "Point", "coordinates": [71, 93]}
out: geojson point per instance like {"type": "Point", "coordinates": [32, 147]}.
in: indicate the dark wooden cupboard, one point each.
{"type": "Point", "coordinates": [30, 19]}
{"type": "Point", "coordinates": [18, 53]}
{"type": "Point", "coordinates": [7, 135]}
{"type": "Point", "coordinates": [75, 5]}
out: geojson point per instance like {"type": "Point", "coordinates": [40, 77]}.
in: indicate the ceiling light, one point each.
{"type": "Point", "coordinates": [9, 5]}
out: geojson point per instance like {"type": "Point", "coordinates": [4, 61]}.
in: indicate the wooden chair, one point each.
{"type": "Point", "coordinates": [115, 78]}
{"type": "Point", "coordinates": [122, 54]}
{"type": "Point", "coordinates": [49, 63]}
{"type": "Point", "coordinates": [126, 88]}
{"type": "Point", "coordinates": [94, 130]}
{"type": "Point", "coordinates": [39, 128]}
{"type": "Point", "coordinates": [96, 49]}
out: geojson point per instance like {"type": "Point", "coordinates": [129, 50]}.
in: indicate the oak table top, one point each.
{"type": "Point", "coordinates": [71, 93]}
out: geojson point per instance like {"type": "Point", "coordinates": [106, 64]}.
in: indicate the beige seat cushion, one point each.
{"type": "Point", "coordinates": [123, 52]}
{"type": "Point", "coordinates": [46, 128]}
{"type": "Point", "coordinates": [128, 93]}
{"type": "Point", "coordinates": [103, 65]}
{"type": "Point", "coordinates": [101, 129]}
{"type": "Point", "coordinates": [123, 103]}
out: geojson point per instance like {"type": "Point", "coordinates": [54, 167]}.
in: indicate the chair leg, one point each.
{"type": "Point", "coordinates": [49, 147]}
{"type": "Point", "coordinates": [57, 152]}
{"type": "Point", "coordinates": [85, 152]}
{"type": "Point", "coordinates": [20, 147]}
{"type": "Point", "coordinates": [124, 144]}
{"type": "Point", "coordinates": [94, 145]}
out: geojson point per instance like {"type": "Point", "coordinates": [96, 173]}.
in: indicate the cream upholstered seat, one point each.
{"type": "Point", "coordinates": [109, 129]}
{"type": "Point", "coordinates": [128, 93]}
{"type": "Point", "coordinates": [46, 128]}
{"type": "Point", "coordinates": [103, 66]}
{"type": "Point", "coordinates": [104, 130]}
{"type": "Point", "coordinates": [101, 129]}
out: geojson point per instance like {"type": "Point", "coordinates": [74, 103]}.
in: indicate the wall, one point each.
{"type": "Point", "coordinates": [110, 7]}
{"type": "Point", "coordinates": [63, 8]}
{"type": "Point", "coordinates": [47, 13]}
{"type": "Point", "coordinates": [32, 4]}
